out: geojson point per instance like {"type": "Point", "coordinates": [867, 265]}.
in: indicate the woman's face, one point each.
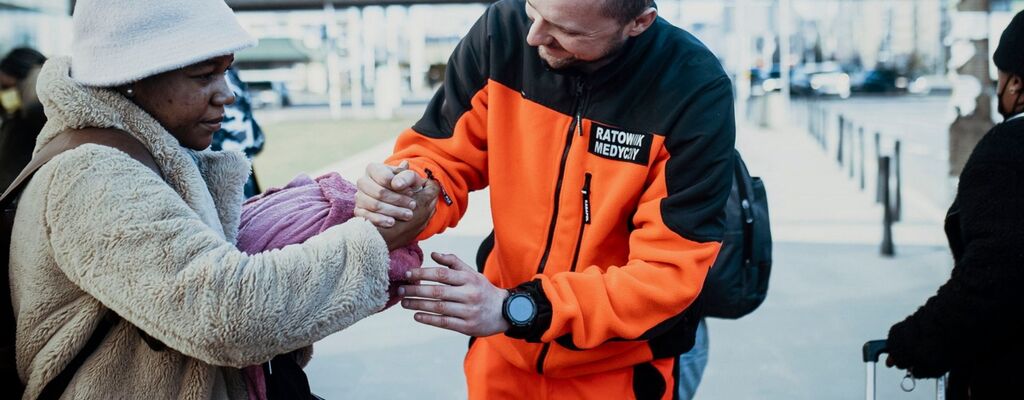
{"type": "Point", "coordinates": [188, 102]}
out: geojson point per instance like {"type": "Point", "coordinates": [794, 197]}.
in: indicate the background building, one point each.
{"type": "Point", "coordinates": [42, 24]}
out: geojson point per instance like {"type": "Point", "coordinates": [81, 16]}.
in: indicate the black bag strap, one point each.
{"type": "Point", "coordinates": [746, 191]}
{"type": "Point", "coordinates": [71, 139]}
{"type": "Point", "coordinates": [64, 141]}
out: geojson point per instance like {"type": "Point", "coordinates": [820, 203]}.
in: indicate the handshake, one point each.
{"type": "Point", "coordinates": [397, 200]}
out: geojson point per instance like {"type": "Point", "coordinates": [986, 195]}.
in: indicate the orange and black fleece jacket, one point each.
{"type": "Point", "coordinates": [607, 189]}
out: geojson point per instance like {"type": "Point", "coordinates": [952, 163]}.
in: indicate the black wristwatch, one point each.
{"type": "Point", "coordinates": [519, 309]}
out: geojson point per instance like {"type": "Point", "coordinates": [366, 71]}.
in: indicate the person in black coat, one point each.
{"type": "Point", "coordinates": [20, 110]}
{"type": "Point", "coordinates": [973, 327]}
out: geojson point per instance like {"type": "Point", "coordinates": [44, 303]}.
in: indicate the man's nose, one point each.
{"type": "Point", "coordinates": [537, 36]}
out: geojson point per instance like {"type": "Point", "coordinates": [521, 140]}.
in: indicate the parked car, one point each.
{"type": "Point", "coordinates": [879, 81]}
{"type": "Point", "coordinates": [268, 94]}
{"type": "Point", "coordinates": [930, 84]}
{"type": "Point", "coordinates": [824, 79]}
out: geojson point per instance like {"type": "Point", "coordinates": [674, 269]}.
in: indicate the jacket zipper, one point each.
{"type": "Point", "coordinates": [577, 123]}
{"type": "Point", "coordinates": [586, 220]}
{"type": "Point", "coordinates": [444, 193]}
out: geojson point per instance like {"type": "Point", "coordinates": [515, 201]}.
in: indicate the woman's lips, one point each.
{"type": "Point", "coordinates": [213, 124]}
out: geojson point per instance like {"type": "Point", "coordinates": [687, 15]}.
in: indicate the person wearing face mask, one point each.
{"type": "Point", "coordinates": [972, 327]}
{"type": "Point", "coordinates": [20, 110]}
{"type": "Point", "coordinates": [125, 279]}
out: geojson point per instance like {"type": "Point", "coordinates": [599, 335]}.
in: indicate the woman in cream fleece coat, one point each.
{"type": "Point", "coordinates": [97, 230]}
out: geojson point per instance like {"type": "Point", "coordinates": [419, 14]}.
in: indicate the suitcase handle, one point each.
{"type": "Point", "coordinates": [873, 349]}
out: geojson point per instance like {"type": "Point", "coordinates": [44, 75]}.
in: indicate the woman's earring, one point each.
{"type": "Point", "coordinates": [130, 92]}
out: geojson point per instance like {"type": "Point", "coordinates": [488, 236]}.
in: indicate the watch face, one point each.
{"type": "Point", "coordinates": [520, 309]}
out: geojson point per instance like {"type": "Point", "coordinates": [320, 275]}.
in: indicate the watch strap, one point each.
{"type": "Point", "coordinates": [541, 321]}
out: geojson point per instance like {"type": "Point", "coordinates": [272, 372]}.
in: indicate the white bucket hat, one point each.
{"type": "Point", "coordinates": [122, 41]}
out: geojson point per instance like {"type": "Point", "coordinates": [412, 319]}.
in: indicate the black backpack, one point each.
{"type": "Point", "coordinates": [738, 282]}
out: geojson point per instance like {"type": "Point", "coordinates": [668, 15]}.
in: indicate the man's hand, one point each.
{"type": "Point", "coordinates": [466, 302]}
{"type": "Point", "coordinates": [386, 194]}
{"type": "Point", "coordinates": [397, 200]}
{"type": "Point", "coordinates": [402, 233]}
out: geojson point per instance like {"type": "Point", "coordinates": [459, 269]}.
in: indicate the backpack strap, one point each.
{"type": "Point", "coordinates": [64, 141]}
{"type": "Point", "coordinates": [71, 139]}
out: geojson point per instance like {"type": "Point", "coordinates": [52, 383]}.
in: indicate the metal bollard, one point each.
{"type": "Point", "coordinates": [853, 151]}
{"type": "Point", "coordinates": [839, 150]}
{"type": "Point", "coordinates": [878, 178]}
{"type": "Point", "coordinates": [888, 249]}
{"type": "Point", "coordinates": [898, 175]}
{"type": "Point", "coordinates": [862, 159]}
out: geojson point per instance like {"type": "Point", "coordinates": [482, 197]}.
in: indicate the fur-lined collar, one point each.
{"type": "Point", "coordinates": [213, 188]}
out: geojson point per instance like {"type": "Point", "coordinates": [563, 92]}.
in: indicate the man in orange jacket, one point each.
{"type": "Point", "coordinates": [605, 135]}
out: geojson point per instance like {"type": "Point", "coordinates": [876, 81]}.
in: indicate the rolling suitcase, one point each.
{"type": "Point", "coordinates": [872, 351]}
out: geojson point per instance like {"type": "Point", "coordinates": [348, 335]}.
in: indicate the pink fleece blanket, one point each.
{"type": "Point", "coordinates": [302, 209]}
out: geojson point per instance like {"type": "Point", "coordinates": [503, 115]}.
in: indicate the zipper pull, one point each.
{"type": "Point", "coordinates": [444, 193]}
{"type": "Point", "coordinates": [748, 214]}
{"type": "Point", "coordinates": [579, 101]}
{"type": "Point", "coordinates": [586, 199]}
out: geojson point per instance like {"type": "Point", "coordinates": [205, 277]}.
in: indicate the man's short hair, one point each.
{"type": "Point", "coordinates": [625, 10]}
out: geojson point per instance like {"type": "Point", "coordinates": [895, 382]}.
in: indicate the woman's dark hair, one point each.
{"type": "Point", "coordinates": [20, 61]}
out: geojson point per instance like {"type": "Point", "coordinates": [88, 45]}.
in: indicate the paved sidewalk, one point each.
{"type": "Point", "coordinates": [830, 292]}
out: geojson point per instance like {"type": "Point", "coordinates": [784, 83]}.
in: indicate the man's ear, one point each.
{"type": "Point", "coordinates": [640, 24]}
{"type": "Point", "coordinates": [1015, 84]}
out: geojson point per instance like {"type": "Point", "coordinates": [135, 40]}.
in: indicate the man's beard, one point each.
{"type": "Point", "coordinates": [574, 63]}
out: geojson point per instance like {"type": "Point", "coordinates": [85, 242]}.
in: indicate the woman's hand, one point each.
{"type": "Point", "coordinates": [401, 233]}
{"type": "Point", "coordinates": [385, 193]}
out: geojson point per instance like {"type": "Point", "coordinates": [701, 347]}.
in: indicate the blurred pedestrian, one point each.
{"type": "Point", "coordinates": [239, 130]}
{"type": "Point", "coordinates": [20, 110]}
{"type": "Point", "coordinates": [972, 327]}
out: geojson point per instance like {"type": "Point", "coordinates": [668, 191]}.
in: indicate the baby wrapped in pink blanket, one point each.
{"type": "Point", "coordinates": [304, 208]}
{"type": "Point", "coordinates": [300, 210]}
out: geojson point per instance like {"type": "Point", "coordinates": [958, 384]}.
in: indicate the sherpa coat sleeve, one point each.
{"type": "Point", "coordinates": [980, 305]}
{"type": "Point", "coordinates": [128, 239]}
